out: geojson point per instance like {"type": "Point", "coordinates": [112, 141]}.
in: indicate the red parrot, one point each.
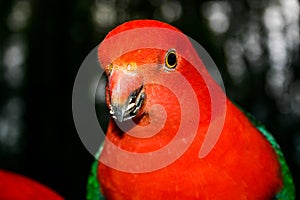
{"type": "Point", "coordinates": [18, 187]}
{"type": "Point", "coordinates": [150, 66]}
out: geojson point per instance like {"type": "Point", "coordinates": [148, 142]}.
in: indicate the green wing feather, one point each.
{"type": "Point", "coordinates": [288, 190]}
{"type": "Point", "coordinates": [93, 186]}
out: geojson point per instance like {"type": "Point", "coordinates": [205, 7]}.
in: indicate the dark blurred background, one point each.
{"type": "Point", "coordinates": [254, 43]}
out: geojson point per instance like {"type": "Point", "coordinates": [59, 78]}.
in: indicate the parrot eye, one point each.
{"type": "Point", "coordinates": [171, 59]}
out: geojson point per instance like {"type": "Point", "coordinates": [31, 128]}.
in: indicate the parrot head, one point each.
{"type": "Point", "coordinates": [127, 91]}
{"type": "Point", "coordinates": [143, 59]}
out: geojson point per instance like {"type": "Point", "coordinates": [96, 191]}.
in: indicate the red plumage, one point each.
{"type": "Point", "coordinates": [242, 164]}
{"type": "Point", "coordinates": [18, 187]}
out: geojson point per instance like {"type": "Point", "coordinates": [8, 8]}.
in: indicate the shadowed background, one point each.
{"type": "Point", "coordinates": [255, 45]}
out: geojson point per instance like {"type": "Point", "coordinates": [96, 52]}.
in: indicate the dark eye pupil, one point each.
{"type": "Point", "coordinates": [172, 59]}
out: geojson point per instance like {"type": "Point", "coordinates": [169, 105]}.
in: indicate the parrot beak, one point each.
{"type": "Point", "coordinates": [127, 95]}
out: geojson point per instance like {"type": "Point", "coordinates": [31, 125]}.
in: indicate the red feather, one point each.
{"type": "Point", "coordinates": [242, 165]}
{"type": "Point", "coordinates": [18, 187]}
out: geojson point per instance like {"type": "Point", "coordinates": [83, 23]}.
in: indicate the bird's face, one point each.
{"type": "Point", "coordinates": [131, 84]}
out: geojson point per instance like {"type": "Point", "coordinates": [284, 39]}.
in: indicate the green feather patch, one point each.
{"type": "Point", "coordinates": [93, 186]}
